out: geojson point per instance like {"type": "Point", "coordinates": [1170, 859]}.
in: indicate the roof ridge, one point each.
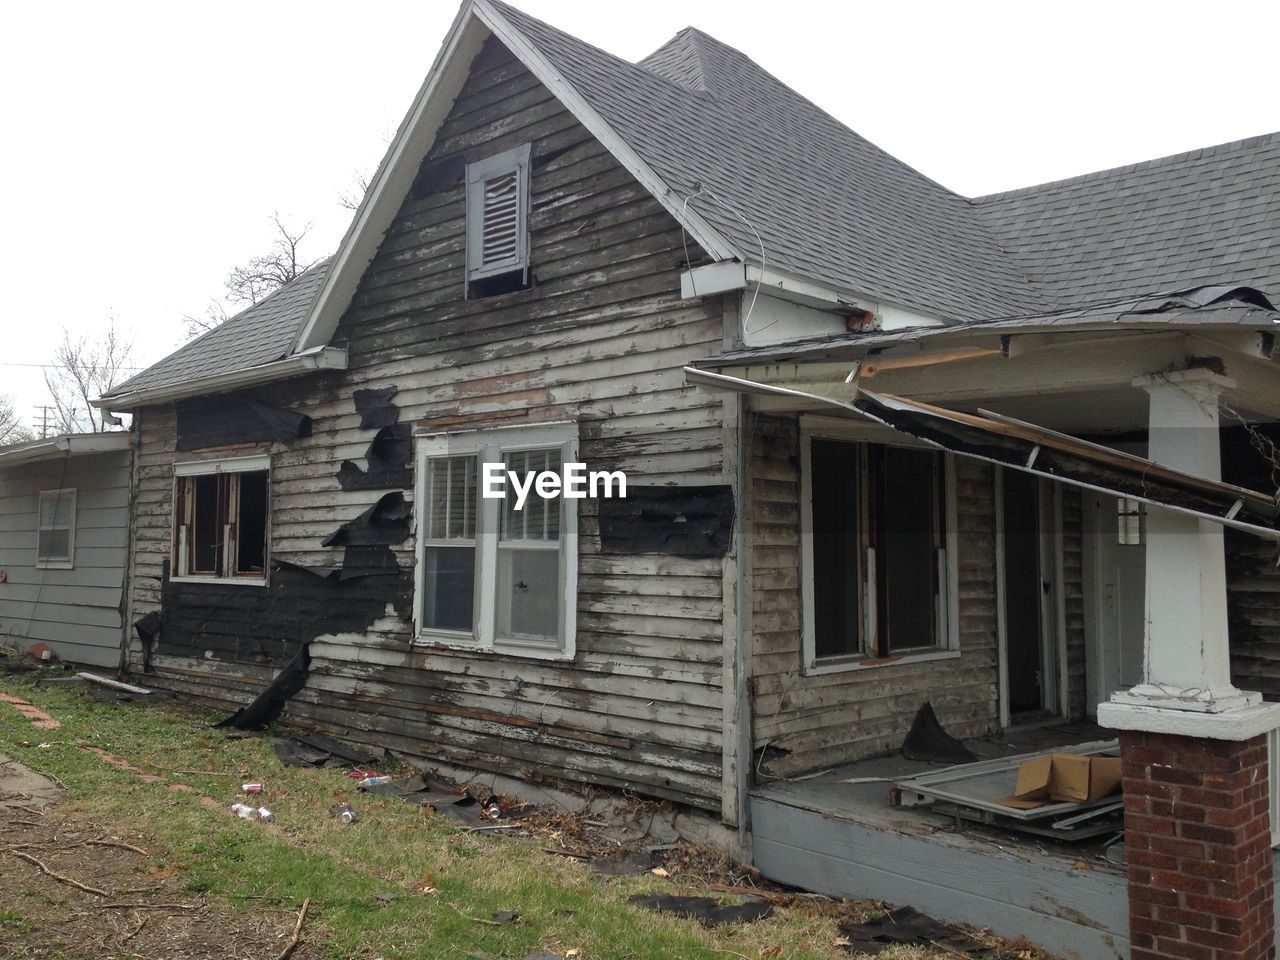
{"type": "Point", "coordinates": [1155, 162]}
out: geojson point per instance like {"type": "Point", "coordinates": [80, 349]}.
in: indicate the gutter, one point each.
{"type": "Point", "coordinates": [67, 444]}
{"type": "Point", "coordinates": [308, 361]}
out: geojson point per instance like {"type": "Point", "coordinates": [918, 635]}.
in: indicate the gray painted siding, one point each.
{"type": "Point", "coordinates": [77, 611]}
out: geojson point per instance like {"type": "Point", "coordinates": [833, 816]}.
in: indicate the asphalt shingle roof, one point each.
{"type": "Point", "coordinates": [1209, 216]}
{"type": "Point", "coordinates": [787, 184]}
{"type": "Point", "coordinates": [261, 334]}
{"type": "Point", "coordinates": [826, 203]}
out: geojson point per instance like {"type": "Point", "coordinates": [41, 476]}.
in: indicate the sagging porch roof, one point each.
{"type": "Point", "coordinates": [1023, 446]}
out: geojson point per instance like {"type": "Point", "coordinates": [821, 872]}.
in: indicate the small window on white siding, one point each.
{"type": "Point", "coordinates": [498, 223]}
{"type": "Point", "coordinates": [56, 537]}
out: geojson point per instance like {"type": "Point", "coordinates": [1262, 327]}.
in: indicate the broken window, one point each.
{"type": "Point", "coordinates": [495, 572]}
{"type": "Point", "coordinates": [875, 551]}
{"type": "Point", "coordinates": [221, 517]}
{"type": "Point", "coordinates": [56, 536]}
{"type": "Point", "coordinates": [498, 223]}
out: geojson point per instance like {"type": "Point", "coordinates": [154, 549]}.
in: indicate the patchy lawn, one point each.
{"type": "Point", "coordinates": [399, 883]}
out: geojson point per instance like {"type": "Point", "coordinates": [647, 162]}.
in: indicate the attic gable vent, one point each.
{"type": "Point", "coordinates": [498, 222]}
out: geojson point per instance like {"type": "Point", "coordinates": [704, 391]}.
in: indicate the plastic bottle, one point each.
{"type": "Point", "coordinates": [244, 811]}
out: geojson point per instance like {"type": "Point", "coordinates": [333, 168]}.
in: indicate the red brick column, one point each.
{"type": "Point", "coordinates": [1198, 841]}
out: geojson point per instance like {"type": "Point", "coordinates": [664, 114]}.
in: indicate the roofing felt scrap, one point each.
{"type": "Point", "coordinates": [389, 457]}
{"type": "Point", "coordinates": [686, 521]}
{"type": "Point", "coordinates": [927, 740]}
{"type": "Point", "coordinates": [386, 523]}
{"type": "Point", "coordinates": [375, 407]}
{"type": "Point", "coordinates": [220, 421]}
{"type": "Point", "coordinates": [905, 926]}
{"type": "Point", "coordinates": [707, 910]}
{"type": "Point", "coordinates": [269, 704]}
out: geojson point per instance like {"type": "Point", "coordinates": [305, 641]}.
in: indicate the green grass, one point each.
{"type": "Point", "coordinates": [393, 850]}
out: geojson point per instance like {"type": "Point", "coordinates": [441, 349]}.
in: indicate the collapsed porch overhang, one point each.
{"type": "Point", "coordinates": [1023, 446]}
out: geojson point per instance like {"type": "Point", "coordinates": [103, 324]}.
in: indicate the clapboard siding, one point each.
{"type": "Point", "coordinates": [600, 340]}
{"type": "Point", "coordinates": [77, 611]}
{"type": "Point", "coordinates": [804, 722]}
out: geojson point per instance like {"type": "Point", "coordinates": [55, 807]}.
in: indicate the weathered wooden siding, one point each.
{"type": "Point", "coordinates": [803, 722]}
{"type": "Point", "coordinates": [600, 339]}
{"type": "Point", "coordinates": [77, 611]}
{"type": "Point", "coordinates": [1253, 578]}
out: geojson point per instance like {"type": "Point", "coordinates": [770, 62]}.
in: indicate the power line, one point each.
{"type": "Point", "coordinates": [50, 366]}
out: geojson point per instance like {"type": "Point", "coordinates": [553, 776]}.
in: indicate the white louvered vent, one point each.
{"type": "Point", "coordinates": [498, 219]}
{"type": "Point", "coordinates": [500, 240]}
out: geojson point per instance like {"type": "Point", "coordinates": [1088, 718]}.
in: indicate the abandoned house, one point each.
{"type": "Point", "coordinates": [64, 529]}
{"type": "Point", "coordinates": [884, 446]}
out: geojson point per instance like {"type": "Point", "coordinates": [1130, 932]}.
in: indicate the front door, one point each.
{"type": "Point", "coordinates": [1027, 649]}
{"type": "Point", "coordinates": [1120, 544]}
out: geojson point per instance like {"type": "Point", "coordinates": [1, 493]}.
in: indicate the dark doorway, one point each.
{"type": "Point", "coordinates": [1023, 593]}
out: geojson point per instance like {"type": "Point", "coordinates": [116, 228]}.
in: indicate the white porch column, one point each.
{"type": "Point", "coordinates": [1187, 663]}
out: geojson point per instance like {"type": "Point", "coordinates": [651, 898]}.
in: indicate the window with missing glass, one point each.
{"type": "Point", "coordinates": [494, 572]}
{"type": "Point", "coordinates": [56, 536]}
{"type": "Point", "coordinates": [876, 570]}
{"type": "Point", "coordinates": [221, 520]}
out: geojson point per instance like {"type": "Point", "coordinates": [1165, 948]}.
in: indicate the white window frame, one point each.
{"type": "Point", "coordinates": [948, 647]}
{"type": "Point", "coordinates": [491, 446]}
{"type": "Point", "coordinates": [178, 552]}
{"type": "Point", "coordinates": [57, 563]}
{"type": "Point", "coordinates": [514, 161]}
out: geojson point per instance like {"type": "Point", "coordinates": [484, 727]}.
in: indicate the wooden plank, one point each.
{"type": "Point", "coordinates": [1076, 914]}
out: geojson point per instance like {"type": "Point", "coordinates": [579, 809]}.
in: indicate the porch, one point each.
{"type": "Point", "coordinates": [847, 839]}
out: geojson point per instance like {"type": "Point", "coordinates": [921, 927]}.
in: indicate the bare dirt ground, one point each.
{"type": "Point", "coordinates": [135, 907]}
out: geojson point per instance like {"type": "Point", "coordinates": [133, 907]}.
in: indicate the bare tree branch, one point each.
{"type": "Point", "coordinates": [12, 429]}
{"type": "Point", "coordinates": [263, 275]}
{"type": "Point", "coordinates": [84, 370]}
{"type": "Point", "coordinates": [351, 198]}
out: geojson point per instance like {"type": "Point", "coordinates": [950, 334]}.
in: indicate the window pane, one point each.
{"type": "Point", "coordinates": [451, 498]}
{"type": "Point", "coordinates": [906, 538]}
{"type": "Point", "coordinates": [448, 578]}
{"type": "Point", "coordinates": [251, 524]}
{"type": "Point", "coordinates": [204, 528]}
{"type": "Point", "coordinates": [837, 586]}
{"type": "Point", "coordinates": [540, 518]}
{"type": "Point", "coordinates": [55, 544]}
{"type": "Point", "coordinates": [529, 593]}
{"type": "Point", "coordinates": [55, 510]}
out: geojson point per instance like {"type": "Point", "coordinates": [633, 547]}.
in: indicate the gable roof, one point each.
{"type": "Point", "coordinates": [755, 172]}
{"type": "Point", "coordinates": [785, 181]}
{"type": "Point", "coordinates": [262, 334]}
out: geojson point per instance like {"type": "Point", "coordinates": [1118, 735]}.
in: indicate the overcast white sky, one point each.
{"type": "Point", "coordinates": [147, 145]}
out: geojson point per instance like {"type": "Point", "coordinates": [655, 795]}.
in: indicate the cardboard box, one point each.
{"type": "Point", "coordinates": [1063, 778]}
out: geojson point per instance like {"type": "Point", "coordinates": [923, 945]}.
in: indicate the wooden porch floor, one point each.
{"type": "Point", "coordinates": [846, 840]}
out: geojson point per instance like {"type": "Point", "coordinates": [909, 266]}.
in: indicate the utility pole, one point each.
{"type": "Point", "coordinates": [43, 415]}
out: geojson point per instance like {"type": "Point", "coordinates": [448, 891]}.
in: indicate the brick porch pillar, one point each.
{"type": "Point", "coordinates": [1198, 841]}
{"type": "Point", "coordinates": [1196, 789]}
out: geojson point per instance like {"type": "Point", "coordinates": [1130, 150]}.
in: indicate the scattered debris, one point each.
{"type": "Point", "coordinates": [113, 684]}
{"type": "Point", "coordinates": [905, 926]}
{"type": "Point", "coordinates": [56, 876]}
{"type": "Point", "coordinates": [317, 750]}
{"type": "Point", "coordinates": [706, 910]}
{"type": "Point", "coordinates": [296, 938]}
{"type": "Point", "coordinates": [345, 813]}
{"type": "Point", "coordinates": [927, 740]}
